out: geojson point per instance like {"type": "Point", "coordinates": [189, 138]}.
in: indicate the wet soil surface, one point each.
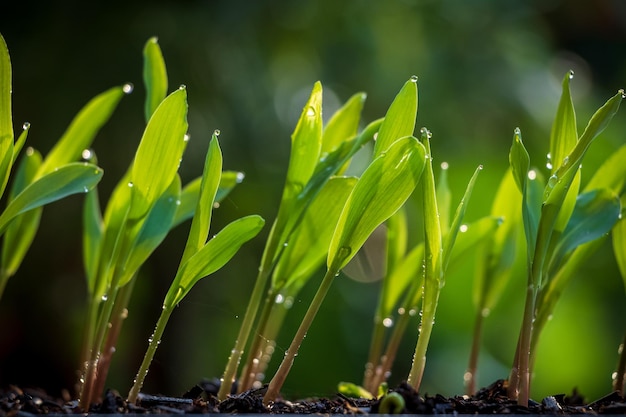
{"type": "Point", "coordinates": [201, 400]}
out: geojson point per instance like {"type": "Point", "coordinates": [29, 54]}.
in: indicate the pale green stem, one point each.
{"type": "Point", "coordinates": [279, 378]}
{"type": "Point", "coordinates": [620, 374]}
{"type": "Point", "coordinates": [376, 347]}
{"type": "Point", "coordinates": [147, 359]}
{"type": "Point", "coordinates": [472, 368]}
{"type": "Point", "coordinates": [426, 328]}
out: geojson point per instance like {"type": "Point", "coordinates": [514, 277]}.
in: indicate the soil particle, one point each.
{"type": "Point", "coordinates": [201, 399]}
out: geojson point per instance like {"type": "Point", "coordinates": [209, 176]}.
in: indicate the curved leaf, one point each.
{"type": "Point", "coordinates": [69, 179]}
{"type": "Point", "coordinates": [619, 247]}
{"type": "Point", "coordinates": [343, 124]}
{"type": "Point", "coordinates": [214, 255]}
{"type": "Point", "coordinates": [380, 192]}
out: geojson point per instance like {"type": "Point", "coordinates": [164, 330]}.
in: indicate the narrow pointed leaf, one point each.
{"type": "Point", "coordinates": [215, 254]}
{"type": "Point", "coordinates": [380, 192]}
{"type": "Point", "coordinates": [191, 192]}
{"type": "Point", "coordinates": [154, 76]}
{"type": "Point", "coordinates": [343, 124]}
{"type": "Point", "coordinates": [21, 231]}
{"type": "Point", "coordinates": [619, 247]}
{"type": "Point", "coordinates": [611, 174]}
{"type": "Point", "coordinates": [408, 271]}
{"type": "Point", "coordinates": [444, 198]}
{"type": "Point", "coordinates": [451, 234]}
{"type": "Point", "coordinates": [400, 118]}
{"type": "Point", "coordinates": [93, 233]}
{"type": "Point", "coordinates": [82, 130]}
{"type": "Point", "coordinates": [159, 153]}
{"type": "Point", "coordinates": [208, 189]}
{"type": "Point", "coordinates": [70, 179]}
{"type": "Point", "coordinates": [306, 144]}
{"type": "Point", "coordinates": [564, 135]}
{"type": "Point", "coordinates": [19, 144]}
{"type": "Point", "coordinates": [6, 120]}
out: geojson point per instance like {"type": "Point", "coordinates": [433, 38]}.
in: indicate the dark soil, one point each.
{"type": "Point", "coordinates": [201, 400]}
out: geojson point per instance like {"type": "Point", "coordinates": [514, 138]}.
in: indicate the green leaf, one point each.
{"type": "Point", "coordinates": [83, 129]}
{"type": "Point", "coordinates": [21, 231]}
{"type": "Point", "coordinates": [214, 255]}
{"type": "Point", "coordinates": [451, 234]}
{"type": "Point", "coordinates": [21, 140]}
{"type": "Point", "coordinates": [400, 118]}
{"type": "Point", "coordinates": [146, 234]}
{"type": "Point", "coordinates": [308, 244]}
{"type": "Point", "coordinates": [595, 214]}
{"type": "Point", "coordinates": [397, 239]}
{"type": "Point", "coordinates": [93, 234]}
{"type": "Point", "coordinates": [159, 153]}
{"type": "Point", "coordinates": [6, 120]}
{"type": "Point", "coordinates": [343, 124]}
{"type": "Point", "coordinates": [611, 174]}
{"type": "Point", "coordinates": [154, 76]}
{"type": "Point", "coordinates": [444, 198]}
{"type": "Point", "coordinates": [619, 247]}
{"type": "Point", "coordinates": [69, 179]}
{"type": "Point", "coordinates": [191, 192]}
{"type": "Point", "coordinates": [407, 273]}
{"type": "Point", "coordinates": [380, 192]}
{"type": "Point", "coordinates": [306, 144]}
{"type": "Point", "coordinates": [353, 390]}
{"type": "Point", "coordinates": [208, 189]}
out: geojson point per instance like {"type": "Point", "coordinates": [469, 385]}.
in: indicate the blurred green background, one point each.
{"type": "Point", "coordinates": [484, 67]}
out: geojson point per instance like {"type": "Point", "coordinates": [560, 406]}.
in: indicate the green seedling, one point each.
{"type": "Point", "coordinates": [560, 220]}
{"type": "Point", "coordinates": [146, 204]}
{"type": "Point", "coordinates": [317, 154]}
{"type": "Point", "coordinates": [382, 189]}
{"type": "Point", "coordinates": [619, 248]}
{"type": "Point", "coordinates": [39, 181]}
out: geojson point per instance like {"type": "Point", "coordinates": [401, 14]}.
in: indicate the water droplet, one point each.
{"type": "Point", "coordinates": [463, 228]}
{"type": "Point", "coordinates": [26, 125]}
{"type": "Point", "coordinates": [87, 154]}
{"type": "Point", "coordinates": [532, 175]}
{"type": "Point", "coordinates": [124, 313]}
{"type": "Point", "coordinates": [216, 132]}
{"type": "Point", "coordinates": [549, 161]}
{"type": "Point", "coordinates": [444, 165]}
{"type": "Point", "coordinates": [279, 299]}
{"type": "Point", "coordinates": [565, 160]}
{"type": "Point", "coordinates": [387, 322]}
{"type": "Point", "coordinates": [467, 376]}
{"type": "Point", "coordinates": [552, 181]}
{"type": "Point", "coordinates": [30, 151]}
{"type": "Point", "coordinates": [622, 92]}
{"type": "Point", "coordinates": [517, 131]}
{"type": "Point", "coordinates": [414, 78]}
{"type": "Point", "coordinates": [186, 137]}
{"type": "Point", "coordinates": [216, 205]}
{"type": "Point", "coordinates": [485, 312]}
{"type": "Point", "coordinates": [240, 177]}
{"type": "Point", "coordinates": [401, 311]}
{"type": "Point", "coordinates": [480, 167]}
{"type": "Point", "coordinates": [128, 88]}
{"type": "Point", "coordinates": [130, 185]}
{"type": "Point", "coordinates": [412, 312]}
{"type": "Point", "coordinates": [310, 112]}
{"type": "Point", "coordinates": [285, 244]}
{"type": "Point", "coordinates": [375, 136]}
{"type": "Point", "coordinates": [288, 302]}
{"type": "Point", "coordinates": [620, 349]}
{"type": "Point", "coordinates": [571, 74]}
{"type": "Point", "coordinates": [85, 189]}
{"type": "Point", "coordinates": [105, 297]}
{"type": "Point", "coordinates": [613, 376]}
{"type": "Point", "coordinates": [182, 87]}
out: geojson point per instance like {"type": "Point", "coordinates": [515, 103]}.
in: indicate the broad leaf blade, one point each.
{"type": "Point", "coordinates": [82, 130]}
{"type": "Point", "coordinates": [308, 244]}
{"type": "Point", "coordinates": [215, 254]}
{"type": "Point", "coordinates": [380, 192]}
{"type": "Point", "coordinates": [69, 179]}
{"type": "Point", "coordinates": [159, 153]}
{"type": "Point", "coordinates": [595, 214]}
{"type": "Point", "coordinates": [400, 118]}
{"type": "Point", "coordinates": [154, 76]}
{"type": "Point", "coordinates": [147, 234]}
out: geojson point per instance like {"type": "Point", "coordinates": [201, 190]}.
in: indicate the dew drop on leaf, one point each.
{"type": "Point", "coordinates": [532, 175]}
{"type": "Point", "coordinates": [310, 112]}
{"type": "Point", "coordinates": [463, 228]}
{"type": "Point", "coordinates": [387, 322]}
{"type": "Point", "coordinates": [182, 87]}
{"type": "Point", "coordinates": [622, 92]}
{"type": "Point", "coordinates": [571, 74]}
{"type": "Point", "coordinates": [30, 151]}
{"type": "Point", "coordinates": [414, 78]}
{"type": "Point", "coordinates": [26, 125]}
{"type": "Point", "coordinates": [240, 177]}
{"type": "Point", "coordinates": [128, 88]}
{"type": "Point", "coordinates": [216, 132]}
{"type": "Point", "coordinates": [186, 137]}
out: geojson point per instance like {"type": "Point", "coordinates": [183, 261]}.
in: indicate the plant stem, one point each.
{"type": "Point", "coordinates": [426, 327]}
{"type": "Point", "coordinates": [374, 356]}
{"type": "Point", "coordinates": [154, 342]}
{"type": "Point", "coordinates": [620, 374]}
{"type": "Point", "coordinates": [470, 374]}
{"type": "Point", "coordinates": [278, 380]}
{"type": "Point", "coordinates": [524, 348]}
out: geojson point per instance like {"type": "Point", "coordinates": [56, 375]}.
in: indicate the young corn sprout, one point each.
{"type": "Point", "coordinates": [558, 221]}
{"type": "Point", "coordinates": [146, 204]}
{"type": "Point", "coordinates": [39, 181]}
{"type": "Point", "coordinates": [384, 186]}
